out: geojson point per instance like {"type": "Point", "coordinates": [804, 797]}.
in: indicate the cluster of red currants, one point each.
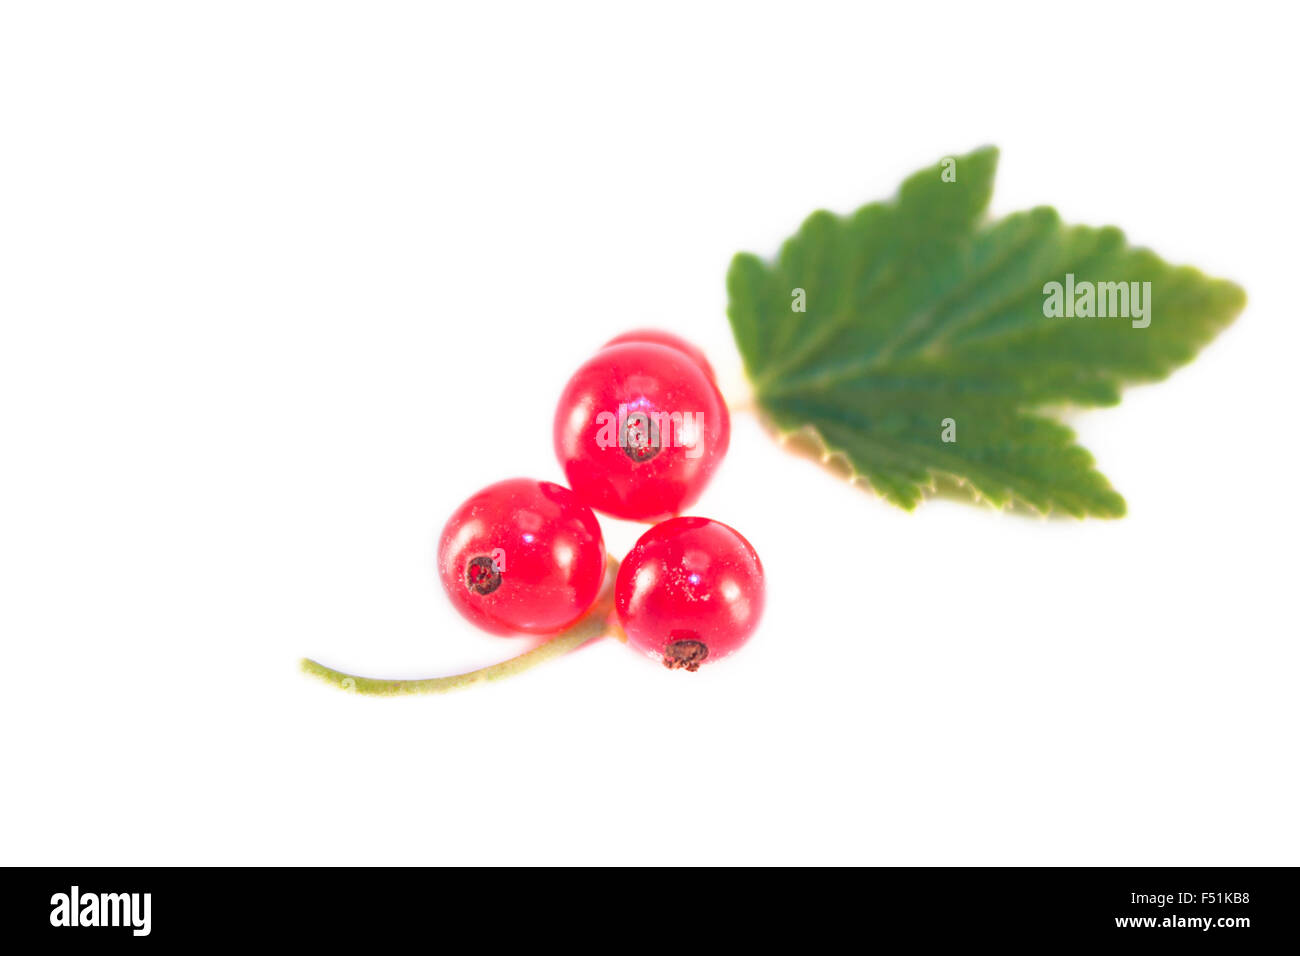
{"type": "Point", "coordinates": [640, 429]}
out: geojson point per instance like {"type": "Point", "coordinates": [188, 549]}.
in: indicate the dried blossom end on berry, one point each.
{"type": "Point", "coordinates": [685, 655]}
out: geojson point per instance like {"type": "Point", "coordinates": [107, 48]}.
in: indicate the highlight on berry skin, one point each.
{"type": "Point", "coordinates": [690, 592]}
{"type": "Point", "coordinates": [522, 557]}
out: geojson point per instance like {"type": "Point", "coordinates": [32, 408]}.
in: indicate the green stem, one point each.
{"type": "Point", "coordinates": [595, 623]}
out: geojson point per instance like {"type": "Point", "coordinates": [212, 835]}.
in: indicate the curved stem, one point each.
{"type": "Point", "coordinates": [595, 623]}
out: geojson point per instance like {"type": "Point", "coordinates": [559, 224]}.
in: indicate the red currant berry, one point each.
{"type": "Point", "coordinates": [659, 337]}
{"type": "Point", "coordinates": [639, 431]}
{"type": "Point", "coordinates": [690, 591]}
{"type": "Point", "coordinates": [522, 555]}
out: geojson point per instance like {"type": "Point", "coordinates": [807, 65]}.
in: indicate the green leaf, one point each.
{"type": "Point", "coordinates": [918, 310]}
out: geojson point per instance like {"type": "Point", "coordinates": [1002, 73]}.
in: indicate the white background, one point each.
{"type": "Point", "coordinates": [281, 284]}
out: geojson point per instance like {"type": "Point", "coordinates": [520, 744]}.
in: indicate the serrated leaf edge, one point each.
{"type": "Point", "coordinates": [828, 454]}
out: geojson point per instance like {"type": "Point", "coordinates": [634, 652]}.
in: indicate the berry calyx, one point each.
{"type": "Point", "coordinates": [482, 575]}
{"type": "Point", "coordinates": [660, 337]}
{"type": "Point", "coordinates": [685, 654]}
{"type": "Point", "coordinates": [690, 591]}
{"type": "Point", "coordinates": [522, 556]}
{"type": "Point", "coordinates": [640, 430]}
